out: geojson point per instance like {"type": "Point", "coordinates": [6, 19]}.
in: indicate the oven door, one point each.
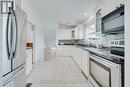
{"type": "Point", "coordinates": [104, 73]}
{"type": "Point", "coordinates": [100, 73]}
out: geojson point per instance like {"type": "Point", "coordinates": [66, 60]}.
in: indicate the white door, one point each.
{"type": "Point", "coordinates": [19, 50]}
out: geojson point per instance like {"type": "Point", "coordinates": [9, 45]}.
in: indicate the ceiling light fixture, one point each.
{"type": "Point", "coordinates": [69, 24]}
{"type": "Point", "coordinates": [85, 14]}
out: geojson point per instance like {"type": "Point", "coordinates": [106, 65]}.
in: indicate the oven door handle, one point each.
{"type": "Point", "coordinates": [115, 66]}
{"type": "Point", "coordinates": [103, 60]}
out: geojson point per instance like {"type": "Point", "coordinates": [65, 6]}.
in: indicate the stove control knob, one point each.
{"type": "Point", "coordinates": [112, 57]}
{"type": "Point", "coordinates": [116, 58]}
{"type": "Point", "coordinates": [116, 42]}
{"type": "Point", "coordinates": [112, 42]}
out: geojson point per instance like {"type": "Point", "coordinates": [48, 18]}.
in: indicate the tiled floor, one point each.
{"type": "Point", "coordinates": [59, 72]}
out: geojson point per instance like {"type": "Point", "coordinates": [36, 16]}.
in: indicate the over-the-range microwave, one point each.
{"type": "Point", "coordinates": [113, 22]}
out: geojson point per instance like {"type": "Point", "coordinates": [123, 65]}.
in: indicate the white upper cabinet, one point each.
{"type": "Point", "coordinates": [64, 34]}
{"type": "Point", "coordinates": [108, 6]}
{"type": "Point", "coordinates": [76, 33]}
{"type": "Point", "coordinates": [90, 30]}
{"type": "Point", "coordinates": [79, 32]}
{"type": "Point", "coordinates": [99, 21]}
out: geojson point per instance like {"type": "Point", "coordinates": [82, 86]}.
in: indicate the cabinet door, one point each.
{"type": "Point", "coordinates": [98, 21]}
{"type": "Point", "coordinates": [81, 58]}
{"type": "Point", "coordinates": [67, 51]}
{"type": "Point", "coordinates": [73, 52]}
{"type": "Point", "coordinates": [60, 51]}
{"type": "Point", "coordinates": [81, 32]}
{"type": "Point", "coordinates": [77, 55]}
{"type": "Point", "coordinates": [64, 51]}
{"type": "Point", "coordinates": [28, 62]}
{"type": "Point", "coordinates": [85, 62]}
{"type": "Point", "coordinates": [77, 33]}
{"type": "Point", "coordinates": [64, 34]}
{"type": "Point", "coordinates": [72, 34]}
{"type": "Point", "coordinates": [110, 5]}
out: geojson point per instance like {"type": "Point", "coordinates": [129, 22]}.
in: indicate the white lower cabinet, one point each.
{"type": "Point", "coordinates": [60, 51]}
{"type": "Point", "coordinates": [80, 56]}
{"type": "Point", "coordinates": [77, 56]}
{"type": "Point", "coordinates": [28, 61]}
{"type": "Point", "coordinates": [85, 62]}
{"type": "Point", "coordinates": [64, 51]}
{"type": "Point", "coordinates": [84, 59]}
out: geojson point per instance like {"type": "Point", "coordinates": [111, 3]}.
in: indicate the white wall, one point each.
{"type": "Point", "coordinates": [30, 33]}
{"type": "Point", "coordinates": [50, 37]}
{"type": "Point", "coordinates": [127, 42]}
{"type": "Point", "coordinates": [34, 17]}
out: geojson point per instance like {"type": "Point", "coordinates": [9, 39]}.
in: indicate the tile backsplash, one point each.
{"type": "Point", "coordinates": [103, 40]}
{"type": "Point", "coordinates": [106, 39]}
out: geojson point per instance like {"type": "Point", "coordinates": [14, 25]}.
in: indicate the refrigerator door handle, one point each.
{"type": "Point", "coordinates": [15, 34]}
{"type": "Point", "coordinates": [9, 36]}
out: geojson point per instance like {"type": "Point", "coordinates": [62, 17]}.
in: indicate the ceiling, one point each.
{"type": "Point", "coordinates": [64, 12]}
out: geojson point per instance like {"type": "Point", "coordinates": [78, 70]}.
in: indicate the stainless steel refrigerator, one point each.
{"type": "Point", "coordinates": [14, 47]}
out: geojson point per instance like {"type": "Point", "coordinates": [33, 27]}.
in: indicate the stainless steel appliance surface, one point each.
{"type": "Point", "coordinates": [104, 73]}
{"type": "Point", "coordinates": [108, 64]}
{"type": "Point", "coordinates": [14, 47]}
{"type": "Point", "coordinates": [114, 21]}
{"type": "Point", "coordinates": [117, 52]}
{"type": "Point", "coordinates": [101, 64]}
{"type": "Point", "coordinates": [117, 47]}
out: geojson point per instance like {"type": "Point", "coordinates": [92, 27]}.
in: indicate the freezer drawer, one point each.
{"type": "Point", "coordinates": [18, 80]}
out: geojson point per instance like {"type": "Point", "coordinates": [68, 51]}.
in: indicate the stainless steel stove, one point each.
{"type": "Point", "coordinates": [117, 48]}
{"type": "Point", "coordinates": [117, 52]}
